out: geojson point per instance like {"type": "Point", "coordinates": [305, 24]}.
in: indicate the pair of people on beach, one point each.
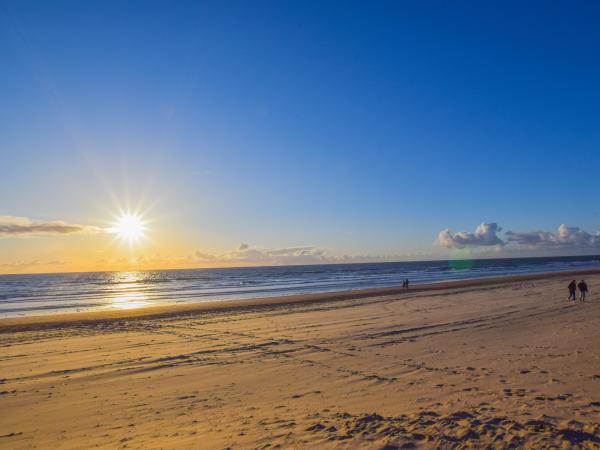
{"type": "Point", "coordinates": [583, 289]}
{"type": "Point", "coordinates": [405, 284]}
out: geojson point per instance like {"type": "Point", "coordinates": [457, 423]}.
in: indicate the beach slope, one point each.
{"type": "Point", "coordinates": [503, 364]}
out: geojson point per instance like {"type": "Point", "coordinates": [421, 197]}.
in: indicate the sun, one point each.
{"type": "Point", "coordinates": [129, 228]}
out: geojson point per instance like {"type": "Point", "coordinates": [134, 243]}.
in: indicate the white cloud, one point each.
{"type": "Point", "coordinates": [564, 237]}
{"type": "Point", "coordinates": [11, 226]}
{"type": "Point", "coordinates": [486, 234]}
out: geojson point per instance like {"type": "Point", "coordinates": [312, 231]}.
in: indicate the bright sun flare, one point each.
{"type": "Point", "coordinates": [129, 227]}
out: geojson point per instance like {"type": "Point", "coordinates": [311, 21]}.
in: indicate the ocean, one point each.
{"type": "Point", "coordinates": [22, 295]}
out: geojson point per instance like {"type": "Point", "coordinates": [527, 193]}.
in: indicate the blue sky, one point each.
{"type": "Point", "coordinates": [361, 128]}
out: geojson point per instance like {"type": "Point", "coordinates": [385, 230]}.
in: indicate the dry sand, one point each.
{"type": "Point", "coordinates": [489, 364]}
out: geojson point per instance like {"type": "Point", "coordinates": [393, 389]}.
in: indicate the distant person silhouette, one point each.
{"type": "Point", "coordinates": [573, 290]}
{"type": "Point", "coordinates": [406, 283]}
{"type": "Point", "coordinates": [583, 289]}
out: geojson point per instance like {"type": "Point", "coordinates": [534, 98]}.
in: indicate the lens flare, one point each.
{"type": "Point", "coordinates": [461, 259]}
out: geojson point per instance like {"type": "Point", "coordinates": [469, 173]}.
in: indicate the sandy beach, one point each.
{"type": "Point", "coordinates": [485, 364]}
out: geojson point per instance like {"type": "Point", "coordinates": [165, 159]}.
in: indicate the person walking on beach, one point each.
{"type": "Point", "coordinates": [572, 291]}
{"type": "Point", "coordinates": [583, 288]}
{"type": "Point", "coordinates": [406, 283]}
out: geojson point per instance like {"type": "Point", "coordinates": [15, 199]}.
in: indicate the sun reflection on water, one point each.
{"type": "Point", "coordinates": [130, 301]}
{"type": "Point", "coordinates": [128, 291]}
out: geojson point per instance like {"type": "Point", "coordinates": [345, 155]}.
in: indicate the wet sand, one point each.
{"type": "Point", "coordinates": [487, 363]}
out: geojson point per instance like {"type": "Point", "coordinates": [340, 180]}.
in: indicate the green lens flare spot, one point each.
{"type": "Point", "coordinates": [461, 260]}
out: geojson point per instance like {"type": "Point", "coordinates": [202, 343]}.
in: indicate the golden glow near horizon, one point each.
{"type": "Point", "coordinates": [129, 228]}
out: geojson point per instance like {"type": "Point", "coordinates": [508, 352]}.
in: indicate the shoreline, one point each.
{"type": "Point", "coordinates": [74, 319]}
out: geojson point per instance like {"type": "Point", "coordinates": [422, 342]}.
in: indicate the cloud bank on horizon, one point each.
{"type": "Point", "coordinates": [486, 235]}
{"type": "Point", "coordinates": [246, 254]}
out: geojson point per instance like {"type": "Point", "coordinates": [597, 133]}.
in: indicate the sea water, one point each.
{"type": "Point", "coordinates": [22, 295]}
